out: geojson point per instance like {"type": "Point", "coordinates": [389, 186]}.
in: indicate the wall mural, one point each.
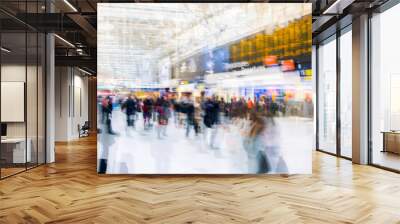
{"type": "Point", "coordinates": [212, 88]}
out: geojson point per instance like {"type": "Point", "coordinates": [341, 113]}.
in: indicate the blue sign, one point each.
{"type": "Point", "coordinates": [214, 61]}
{"type": "Point", "coordinates": [259, 92]}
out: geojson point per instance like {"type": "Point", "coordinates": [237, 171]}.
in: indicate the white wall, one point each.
{"type": "Point", "coordinates": [16, 73]}
{"type": "Point", "coordinates": [13, 72]}
{"type": "Point", "coordinates": [62, 81]}
{"type": "Point", "coordinates": [33, 126]}
{"type": "Point", "coordinates": [10, 73]}
{"type": "Point", "coordinates": [80, 104]}
{"type": "Point", "coordinates": [71, 102]}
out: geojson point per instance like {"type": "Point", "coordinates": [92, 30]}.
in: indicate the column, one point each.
{"type": "Point", "coordinates": [360, 90]}
{"type": "Point", "coordinates": [50, 92]}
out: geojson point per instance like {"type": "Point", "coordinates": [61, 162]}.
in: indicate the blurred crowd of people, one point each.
{"type": "Point", "coordinates": [207, 116]}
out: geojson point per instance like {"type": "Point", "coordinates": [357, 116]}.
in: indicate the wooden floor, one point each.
{"type": "Point", "coordinates": [70, 191]}
{"type": "Point", "coordinates": [5, 172]}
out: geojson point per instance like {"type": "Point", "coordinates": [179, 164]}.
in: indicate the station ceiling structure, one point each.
{"type": "Point", "coordinates": [75, 22]}
{"type": "Point", "coordinates": [134, 38]}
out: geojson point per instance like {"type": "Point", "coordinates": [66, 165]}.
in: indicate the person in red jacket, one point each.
{"type": "Point", "coordinates": [250, 104]}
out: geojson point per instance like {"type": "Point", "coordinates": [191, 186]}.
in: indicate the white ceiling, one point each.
{"type": "Point", "coordinates": [134, 37]}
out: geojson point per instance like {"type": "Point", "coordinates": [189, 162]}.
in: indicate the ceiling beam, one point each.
{"type": "Point", "coordinates": [337, 6]}
{"type": "Point", "coordinates": [86, 26]}
{"type": "Point", "coordinates": [81, 61]}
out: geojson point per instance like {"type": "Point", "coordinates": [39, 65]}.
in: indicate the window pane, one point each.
{"type": "Point", "coordinates": [327, 96]}
{"type": "Point", "coordinates": [31, 97]}
{"type": "Point", "coordinates": [346, 93]}
{"type": "Point", "coordinates": [13, 79]}
{"type": "Point", "coordinates": [386, 89]}
{"type": "Point", "coordinates": [41, 99]}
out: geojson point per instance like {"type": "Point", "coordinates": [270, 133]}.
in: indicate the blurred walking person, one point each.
{"type": "Point", "coordinates": [254, 143]}
{"type": "Point", "coordinates": [221, 110]}
{"type": "Point", "coordinates": [250, 107]}
{"type": "Point", "coordinates": [189, 109]}
{"type": "Point", "coordinates": [138, 107]}
{"type": "Point", "coordinates": [176, 111]}
{"type": "Point", "coordinates": [275, 160]}
{"type": "Point", "coordinates": [262, 146]}
{"type": "Point", "coordinates": [147, 110]}
{"type": "Point", "coordinates": [211, 114]}
{"type": "Point", "coordinates": [104, 104]}
{"type": "Point", "coordinates": [163, 114]}
{"type": "Point", "coordinates": [130, 106]}
{"type": "Point", "coordinates": [186, 107]}
{"type": "Point", "coordinates": [108, 109]}
{"type": "Point", "coordinates": [197, 116]}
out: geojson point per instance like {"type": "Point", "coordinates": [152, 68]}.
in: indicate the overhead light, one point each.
{"type": "Point", "coordinates": [84, 71]}
{"type": "Point", "coordinates": [64, 40]}
{"type": "Point", "coordinates": [5, 50]}
{"type": "Point", "coordinates": [70, 5]}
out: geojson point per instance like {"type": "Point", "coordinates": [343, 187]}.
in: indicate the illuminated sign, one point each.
{"type": "Point", "coordinates": [236, 65]}
{"type": "Point", "coordinates": [288, 65]}
{"type": "Point", "coordinates": [270, 60]}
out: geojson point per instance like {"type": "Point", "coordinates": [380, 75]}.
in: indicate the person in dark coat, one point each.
{"type": "Point", "coordinates": [211, 119]}
{"type": "Point", "coordinates": [147, 112]}
{"type": "Point", "coordinates": [216, 111]}
{"type": "Point", "coordinates": [130, 107]}
{"type": "Point", "coordinates": [108, 108]}
{"type": "Point", "coordinates": [208, 113]}
{"type": "Point", "coordinates": [190, 121]}
{"type": "Point", "coordinates": [162, 108]}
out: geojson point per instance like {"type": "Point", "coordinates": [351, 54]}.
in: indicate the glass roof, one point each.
{"type": "Point", "coordinates": [134, 38]}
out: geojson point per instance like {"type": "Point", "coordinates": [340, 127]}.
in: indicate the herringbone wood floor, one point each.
{"type": "Point", "coordinates": [70, 191]}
